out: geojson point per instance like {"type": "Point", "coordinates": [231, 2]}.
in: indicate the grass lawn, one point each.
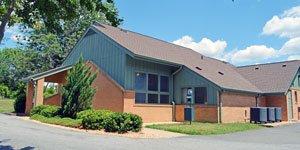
{"type": "Point", "coordinates": [6, 105]}
{"type": "Point", "coordinates": [198, 128]}
{"type": "Point", "coordinates": [68, 122]}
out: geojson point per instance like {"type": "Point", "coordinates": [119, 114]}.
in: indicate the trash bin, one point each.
{"type": "Point", "coordinates": [189, 114]}
{"type": "Point", "coordinates": [258, 114]}
{"type": "Point", "coordinates": [271, 114]}
{"type": "Point", "coordinates": [278, 114]}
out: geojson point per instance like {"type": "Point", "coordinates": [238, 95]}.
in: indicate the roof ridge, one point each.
{"type": "Point", "coordinates": [101, 24]}
{"type": "Point", "coordinates": [271, 63]}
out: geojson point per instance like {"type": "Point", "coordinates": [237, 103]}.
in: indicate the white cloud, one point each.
{"type": "Point", "coordinates": [253, 53]}
{"type": "Point", "coordinates": [292, 46]}
{"type": "Point", "coordinates": [294, 57]}
{"type": "Point", "coordinates": [293, 12]}
{"type": "Point", "coordinates": [286, 25]}
{"type": "Point", "coordinates": [205, 46]}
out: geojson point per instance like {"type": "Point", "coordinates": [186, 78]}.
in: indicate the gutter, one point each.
{"type": "Point", "coordinates": [173, 102]}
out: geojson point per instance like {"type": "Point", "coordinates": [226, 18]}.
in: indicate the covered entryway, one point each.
{"type": "Point", "coordinates": [36, 83]}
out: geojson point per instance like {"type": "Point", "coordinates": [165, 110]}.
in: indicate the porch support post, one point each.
{"type": "Point", "coordinates": [29, 97]}
{"type": "Point", "coordinates": [39, 92]}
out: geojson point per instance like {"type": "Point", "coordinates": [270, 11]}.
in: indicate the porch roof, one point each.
{"type": "Point", "coordinates": [47, 73]}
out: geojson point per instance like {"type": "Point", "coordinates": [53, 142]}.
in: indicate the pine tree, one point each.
{"type": "Point", "coordinates": [77, 93]}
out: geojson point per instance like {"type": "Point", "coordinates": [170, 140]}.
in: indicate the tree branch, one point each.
{"type": "Point", "coordinates": [6, 18]}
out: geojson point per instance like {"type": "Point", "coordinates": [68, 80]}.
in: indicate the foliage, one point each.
{"type": "Point", "coordinates": [93, 119]}
{"type": "Point", "coordinates": [198, 128]}
{"type": "Point", "coordinates": [4, 91]}
{"type": "Point", "coordinates": [50, 14]}
{"type": "Point", "coordinates": [68, 122]}
{"type": "Point", "coordinates": [49, 91]}
{"type": "Point", "coordinates": [50, 111]}
{"type": "Point", "coordinates": [6, 105]}
{"type": "Point", "coordinates": [122, 122]}
{"type": "Point", "coordinates": [78, 92]}
{"type": "Point", "coordinates": [53, 47]}
{"type": "Point", "coordinates": [16, 64]}
{"type": "Point", "coordinates": [45, 110]}
{"type": "Point", "coordinates": [20, 102]}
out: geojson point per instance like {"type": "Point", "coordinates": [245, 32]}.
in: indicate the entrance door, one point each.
{"type": "Point", "coordinates": [290, 105]}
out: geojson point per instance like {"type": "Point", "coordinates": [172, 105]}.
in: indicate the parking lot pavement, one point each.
{"type": "Point", "coordinates": [16, 133]}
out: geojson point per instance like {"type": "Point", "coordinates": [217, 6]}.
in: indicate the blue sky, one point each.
{"type": "Point", "coordinates": [237, 25]}
{"type": "Point", "coordinates": [241, 32]}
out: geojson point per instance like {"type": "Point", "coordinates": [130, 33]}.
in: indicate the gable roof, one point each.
{"type": "Point", "coordinates": [220, 73]}
{"type": "Point", "coordinates": [272, 77]}
{"type": "Point", "coordinates": [47, 73]}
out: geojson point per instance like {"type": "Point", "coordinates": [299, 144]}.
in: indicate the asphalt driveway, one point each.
{"type": "Point", "coordinates": [16, 133]}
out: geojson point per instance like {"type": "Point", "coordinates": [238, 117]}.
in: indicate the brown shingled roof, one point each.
{"type": "Point", "coordinates": [271, 77]}
{"type": "Point", "coordinates": [222, 74]}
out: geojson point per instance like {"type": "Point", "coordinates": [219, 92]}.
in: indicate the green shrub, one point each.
{"type": "Point", "coordinates": [20, 102]}
{"type": "Point", "coordinates": [45, 110]}
{"type": "Point", "coordinates": [93, 119]}
{"type": "Point", "coordinates": [4, 91]}
{"type": "Point", "coordinates": [122, 122]}
{"type": "Point", "coordinates": [50, 111]}
{"type": "Point", "coordinates": [68, 122]}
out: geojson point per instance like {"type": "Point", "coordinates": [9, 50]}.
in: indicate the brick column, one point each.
{"type": "Point", "coordinates": [39, 99]}
{"type": "Point", "coordinates": [29, 97]}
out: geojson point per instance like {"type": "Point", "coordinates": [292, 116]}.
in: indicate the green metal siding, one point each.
{"type": "Point", "coordinates": [137, 65]}
{"type": "Point", "coordinates": [187, 78]}
{"type": "Point", "coordinates": [104, 52]}
{"type": "Point", "coordinates": [296, 81]}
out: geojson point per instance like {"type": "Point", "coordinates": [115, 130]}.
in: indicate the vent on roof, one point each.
{"type": "Point", "coordinates": [221, 73]}
{"type": "Point", "coordinates": [124, 30]}
{"type": "Point", "coordinates": [202, 57]}
{"type": "Point", "coordinates": [256, 68]}
{"type": "Point", "coordinates": [198, 68]}
{"type": "Point", "coordinates": [284, 65]}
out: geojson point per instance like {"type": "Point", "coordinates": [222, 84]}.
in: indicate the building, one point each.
{"type": "Point", "coordinates": [150, 77]}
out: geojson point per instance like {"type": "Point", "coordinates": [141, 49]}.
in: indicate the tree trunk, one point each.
{"type": "Point", "coordinates": [6, 18]}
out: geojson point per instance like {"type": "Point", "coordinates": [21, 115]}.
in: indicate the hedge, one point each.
{"type": "Point", "coordinates": [45, 110]}
{"type": "Point", "coordinates": [90, 119]}
{"type": "Point", "coordinates": [110, 121]}
{"type": "Point", "coordinates": [93, 119]}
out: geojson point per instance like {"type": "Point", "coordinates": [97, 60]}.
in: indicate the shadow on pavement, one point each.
{"type": "Point", "coordinates": [9, 147]}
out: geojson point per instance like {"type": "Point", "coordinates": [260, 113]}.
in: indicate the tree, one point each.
{"type": "Point", "coordinates": [78, 92]}
{"type": "Point", "coordinates": [16, 64]}
{"type": "Point", "coordinates": [54, 47]}
{"type": "Point", "coordinates": [49, 14]}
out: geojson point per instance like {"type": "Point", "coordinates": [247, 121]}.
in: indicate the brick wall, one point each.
{"type": "Point", "coordinates": [203, 113]}
{"type": "Point", "coordinates": [278, 101]}
{"type": "Point", "coordinates": [148, 112]}
{"type": "Point", "coordinates": [236, 107]}
{"type": "Point", "coordinates": [109, 95]}
{"type": "Point", "coordinates": [237, 100]}
{"type": "Point", "coordinates": [53, 100]}
{"type": "Point", "coordinates": [296, 103]}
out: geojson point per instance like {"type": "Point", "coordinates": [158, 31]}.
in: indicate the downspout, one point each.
{"type": "Point", "coordinates": [219, 108]}
{"type": "Point", "coordinates": [173, 102]}
{"type": "Point", "coordinates": [257, 99]}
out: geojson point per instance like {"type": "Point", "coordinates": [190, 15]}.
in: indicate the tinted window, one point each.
{"type": "Point", "coordinates": [140, 81]}
{"type": "Point", "coordinates": [164, 99]}
{"type": "Point", "coordinates": [164, 83]}
{"type": "Point", "coordinates": [140, 97]}
{"type": "Point", "coordinates": [200, 95]}
{"type": "Point", "coordinates": [152, 82]}
{"type": "Point", "coordinates": [152, 98]}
